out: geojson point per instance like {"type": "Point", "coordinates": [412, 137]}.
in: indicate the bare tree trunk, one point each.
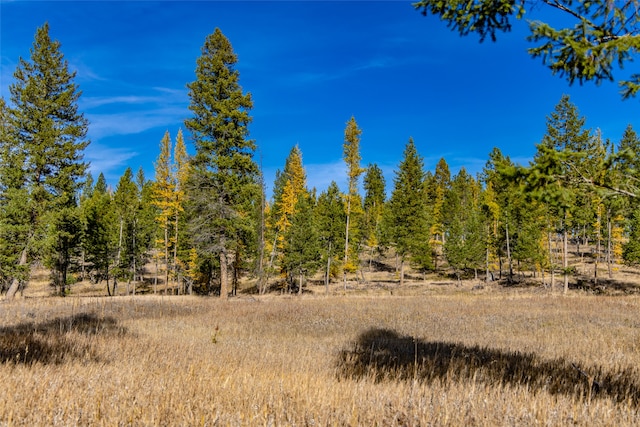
{"type": "Point", "coordinates": [509, 251]}
{"type": "Point", "coordinates": [261, 272]}
{"type": "Point", "coordinates": [401, 271]}
{"type": "Point", "coordinates": [346, 244]}
{"type": "Point", "coordinates": [155, 280]}
{"type": "Point", "coordinates": [565, 257]}
{"type": "Point", "coordinates": [609, 247]}
{"type": "Point", "coordinates": [224, 281]}
{"type": "Point", "coordinates": [166, 257]}
{"type": "Point", "coordinates": [598, 249]}
{"type": "Point", "coordinates": [271, 259]}
{"type": "Point", "coordinates": [488, 273]}
{"type": "Point", "coordinates": [328, 272]}
{"type": "Point", "coordinates": [15, 283]}
{"type": "Point", "coordinates": [551, 262]}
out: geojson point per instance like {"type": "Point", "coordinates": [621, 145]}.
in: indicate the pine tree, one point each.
{"type": "Point", "coordinates": [15, 224]}
{"type": "Point", "coordinates": [223, 175]}
{"type": "Point", "coordinates": [406, 217]}
{"type": "Point", "coordinates": [146, 229]}
{"type": "Point", "coordinates": [374, 199]}
{"type": "Point", "coordinates": [351, 152]}
{"type": "Point", "coordinates": [331, 227]}
{"type": "Point", "coordinates": [101, 232]}
{"type": "Point", "coordinates": [301, 257]}
{"type": "Point", "coordinates": [49, 137]}
{"type": "Point", "coordinates": [564, 165]}
{"type": "Point", "coordinates": [465, 245]}
{"type": "Point", "coordinates": [436, 187]}
{"type": "Point", "coordinates": [125, 202]}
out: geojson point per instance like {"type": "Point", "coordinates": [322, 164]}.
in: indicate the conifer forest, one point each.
{"type": "Point", "coordinates": [204, 225]}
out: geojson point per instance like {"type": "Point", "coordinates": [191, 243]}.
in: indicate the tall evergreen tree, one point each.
{"type": "Point", "coordinates": [125, 203]}
{"type": "Point", "coordinates": [464, 247]}
{"type": "Point", "coordinates": [223, 174]}
{"type": "Point", "coordinates": [406, 218]}
{"type": "Point", "coordinates": [566, 162]}
{"type": "Point", "coordinates": [49, 133]}
{"type": "Point", "coordinates": [374, 199]}
{"type": "Point", "coordinates": [101, 232]}
{"type": "Point", "coordinates": [301, 257]}
{"type": "Point", "coordinates": [331, 227]}
{"type": "Point", "coordinates": [436, 187]}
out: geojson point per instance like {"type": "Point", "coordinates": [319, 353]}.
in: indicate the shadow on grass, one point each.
{"type": "Point", "coordinates": [385, 355]}
{"type": "Point", "coordinates": [55, 341]}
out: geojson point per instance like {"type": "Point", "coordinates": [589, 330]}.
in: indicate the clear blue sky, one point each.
{"type": "Point", "coordinates": [310, 66]}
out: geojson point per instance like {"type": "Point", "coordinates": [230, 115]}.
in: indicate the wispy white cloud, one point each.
{"type": "Point", "coordinates": [94, 102]}
{"type": "Point", "coordinates": [7, 68]}
{"type": "Point", "coordinates": [84, 73]}
{"type": "Point", "coordinates": [107, 160]}
{"type": "Point", "coordinates": [133, 122]}
{"type": "Point", "coordinates": [320, 175]}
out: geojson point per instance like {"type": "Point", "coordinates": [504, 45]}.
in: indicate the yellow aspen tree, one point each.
{"type": "Point", "coordinates": [164, 193]}
{"type": "Point", "coordinates": [351, 152]}
{"type": "Point", "coordinates": [289, 186]}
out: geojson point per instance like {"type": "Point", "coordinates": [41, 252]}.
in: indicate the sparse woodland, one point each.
{"type": "Point", "coordinates": [430, 300]}
{"type": "Point", "coordinates": [203, 224]}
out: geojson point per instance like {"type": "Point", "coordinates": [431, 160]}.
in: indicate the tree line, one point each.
{"type": "Point", "coordinates": [205, 223]}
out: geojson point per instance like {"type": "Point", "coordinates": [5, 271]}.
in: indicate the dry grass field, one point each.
{"type": "Point", "coordinates": [426, 355]}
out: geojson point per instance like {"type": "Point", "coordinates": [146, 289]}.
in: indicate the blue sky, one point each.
{"type": "Point", "coordinates": [310, 66]}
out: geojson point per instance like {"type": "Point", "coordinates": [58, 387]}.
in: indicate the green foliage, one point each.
{"type": "Point", "coordinates": [605, 33]}
{"type": "Point", "coordinates": [223, 178]}
{"type": "Point", "coordinates": [406, 216]}
{"type": "Point", "coordinates": [42, 157]}
{"type": "Point", "coordinates": [474, 16]}
{"type": "Point", "coordinates": [464, 246]}
{"type": "Point", "coordinates": [631, 249]}
{"type": "Point", "coordinates": [374, 199]}
{"type": "Point", "coordinates": [331, 223]}
{"type": "Point", "coordinates": [100, 220]}
{"type": "Point", "coordinates": [301, 255]}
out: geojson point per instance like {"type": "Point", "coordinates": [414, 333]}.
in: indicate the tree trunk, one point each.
{"type": "Point", "coordinates": [328, 272]}
{"type": "Point", "coordinates": [155, 280]}
{"type": "Point", "coordinates": [261, 273]}
{"type": "Point", "coordinates": [609, 247]}
{"type": "Point", "coordinates": [401, 271]}
{"type": "Point", "coordinates": [598, 249]}
{"type": "Point", "coordinates": [175, 255]}
{"type": "Point", "coordinates": [488, 273]}
{"type": "Point", "coordinates": [15, 283]}
{"type": "Point", "coordinates": [224, 285]}
{"type": "Point", "coordinates": [509, 252]}
{"type": "Point", "coordinates": [346, 244]}
{"type": "Point", "coordinates": [271, 259]}
{"type": "Point", "coordinates": [565, 258]}
{"type": "Point", "coordinates": [166, 258]}
{"type": "Point", "coordinates": [551, 260]}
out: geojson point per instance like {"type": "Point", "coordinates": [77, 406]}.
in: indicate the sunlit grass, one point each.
{"type": "Point", "coordinates": [438, 359]}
